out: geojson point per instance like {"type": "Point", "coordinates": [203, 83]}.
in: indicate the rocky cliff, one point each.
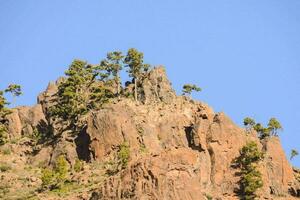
{"type": "Point", "coordinates": [175, 148]}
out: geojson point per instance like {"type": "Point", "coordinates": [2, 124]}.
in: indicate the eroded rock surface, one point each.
{"type": "Point", "coordinates": [25, 121]}
{"type": "Point", "coordinates": [179, 148]}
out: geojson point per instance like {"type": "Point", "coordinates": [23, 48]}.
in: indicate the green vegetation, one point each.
{"type": "Point", "coordinates": [134, 60]}
{"type": "Point", "coordinates": [249, 123]}
{"type": "Point", "coordinates": [189, 88]}
{"type": "Point", "coordinates": [3, 134]}
{"type": "Point", "coordinates": [124, 154]}
{"type": "Point", "coordinates": [120, 161]}
{"type": "Point", "coordinates": [208, 197]}
{"type": "Point", "coordinates": [47, 177]}
{"type": "Point", "coordinates": [56, 177]}
{"type": "Point", "coordinates": [263, 132]}
{"type": "Point", "coordinates": [6, 151]}
{"type": "Point", "coordinates": [4, 167]}
{"type": "Point", "coordinates": [294, 153]}
{"type": "Point", "coordinates": [88, 87]}
{"type": "Point", "coordinates": [251, 178]}
{"type": "Point", "coordinates": [3, 112]}
{"type": "Point", "coordinates": [274, 125]}
{"type": "Point", "coordinates": [15, 90]}
{"type": "Point", "coordinates": [82, 90]}
{"type": "Point", "coordinates": [113, 65]}
{"type": "Point", "coordinates": [78, 166]}
{"type": "Point", "coordinates": [4, 189]}
{"type": "Point", "coordinates": [61, 169]}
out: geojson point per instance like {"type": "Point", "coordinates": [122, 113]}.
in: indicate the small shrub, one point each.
{"type": "Point", "coordinates": [36, 135]}
{"type": "Point", "coordinates": [78, 166]}
{"type": "Point", "coordinates": [4, 167]}
{"type": "Point", "coordinates": [208, 197]}
{"type": "Point", "coordinates": [48, 177]}
{"type": "Point", "coordinates": [42, 164]}
{"type": "Point", "coordinates": [3, 135]}
{"type": "Point", "coordinates": [112, 167]}
{"type": "Point", "coordinates": [4, 189]}
{"type": "Point", "coordinates": [120, 161]}
{"type": "Point", "coordinates": [61, 169]}
{"type": "Point", "coordinates": [55, 178]}
{"type": "Point", "coordinates": [6, 151]}
{"type": "Point", "coordinates": [129, 95]}
{"type": "Point", "coordinates": [124, 154]}
{"type": "Point", "coordinates": [14, 141]}
{"type": "Point", "coordinates": [159, 137]}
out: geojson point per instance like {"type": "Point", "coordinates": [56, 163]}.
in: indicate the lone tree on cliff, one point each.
{"type": "Point", "coordinates": [134, 60]}
{"type": "Point", "coordinates": [294, 153]}
{"type": "Point", "coordinates": [274, 125]}
{"type": "Point", "coordinates": [15, 90]}
{"type": "Point", "coordinates": [189, 88]}
{"type": "Point", "coordinates": [249, 123]}
{"type": "Point", "coordinates": [113, 66]}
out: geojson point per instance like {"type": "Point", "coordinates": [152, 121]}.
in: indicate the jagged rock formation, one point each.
{"type": "Point", "coordinates": [179, 148]}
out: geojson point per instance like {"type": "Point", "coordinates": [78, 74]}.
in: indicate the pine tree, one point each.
{"type": "Point", "coordinates": [274, 125]}
{"type": "Point", "coordinates": [115, 66]}
{"type": "Point", "coordinates": [249, 123]}
{"type": "Point", "coordinates": [136, 67]}
{"type": "Point", "coordinates": [262, 131]}
{"type": "Point", "coordinates": [72, 99]}
{"type": "Point", "coordinates": [4, 111]}
{"type": "Point", "coordinates": [293, 153]}
{"type": "Point", "coordinates": [83, 89]}
{"type": "Point", "coordinates": [189, 88]}
{"type": "Point", "coordinates": [15, 90]}
{"type": "Point", "coordinates": [251, 178]}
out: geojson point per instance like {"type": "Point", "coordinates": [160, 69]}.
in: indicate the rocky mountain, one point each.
{"type": "Point", "coordinates": [159, 148]}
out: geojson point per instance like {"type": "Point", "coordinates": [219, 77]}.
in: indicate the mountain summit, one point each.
{"type": "Point", "coordinates": [160, 147]}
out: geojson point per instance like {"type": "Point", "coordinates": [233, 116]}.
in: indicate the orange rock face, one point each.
{"type": "Point", "coordinates": [190, 153]}
{"type": "Point", "coordinates": [179, 148]}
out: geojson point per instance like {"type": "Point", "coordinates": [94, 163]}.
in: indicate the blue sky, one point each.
{"type": "Point", "coordinates": [244, 54]}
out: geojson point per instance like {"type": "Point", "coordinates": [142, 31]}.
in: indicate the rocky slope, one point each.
{"type": "Point", "coordinates": [176, 148]}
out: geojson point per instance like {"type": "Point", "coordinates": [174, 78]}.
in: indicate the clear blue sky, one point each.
{"type": "Point", "coordinates": [244, 54]}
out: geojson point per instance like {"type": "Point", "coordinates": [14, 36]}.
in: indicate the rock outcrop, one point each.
{"type": "Point", "coordinates": [25, 121]}
{"type": "Point", "coordinates": [179, 148]}
{"type": "Point", "coordinates": [192, 159]}
{"type": "Point", "coordinates": [155, 87]}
